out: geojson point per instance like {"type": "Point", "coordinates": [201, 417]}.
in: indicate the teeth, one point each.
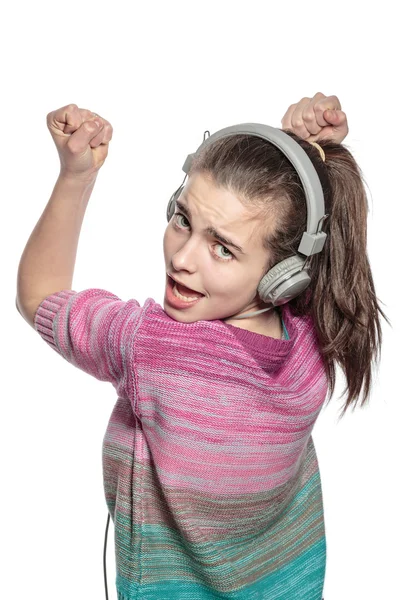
{"type": "Point", "coordinates": [185, 298]}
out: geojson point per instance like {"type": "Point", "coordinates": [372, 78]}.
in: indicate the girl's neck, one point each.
{"type": "Point", "coordinates": [268, 323]}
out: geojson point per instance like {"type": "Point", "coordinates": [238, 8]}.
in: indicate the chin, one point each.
{"type": "Point", "coordinates": [180, 318]}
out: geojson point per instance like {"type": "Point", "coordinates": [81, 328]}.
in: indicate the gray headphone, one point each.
{"type": "Point", "coordinates": [290, 277]}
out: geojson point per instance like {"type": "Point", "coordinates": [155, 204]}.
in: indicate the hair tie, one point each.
{"type": "Point", "coordinates": [322, 153]}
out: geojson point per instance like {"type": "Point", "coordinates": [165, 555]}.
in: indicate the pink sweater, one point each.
{"type": "Point", "coordinates": [210, 472]}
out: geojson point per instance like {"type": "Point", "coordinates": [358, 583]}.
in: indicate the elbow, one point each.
{"type": "Point", "coordinates": [27, 313]}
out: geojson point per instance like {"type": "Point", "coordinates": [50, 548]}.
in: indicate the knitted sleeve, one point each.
{"type": "Point", "coordinates": [89, 329]}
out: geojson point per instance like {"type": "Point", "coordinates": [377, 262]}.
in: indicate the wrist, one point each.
{"type": "Point", "coordinates": [83, 179]}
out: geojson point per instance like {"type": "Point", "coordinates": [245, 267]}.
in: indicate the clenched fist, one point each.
{"type": "Point", "coordinates": [317, 118]}
{"type": "Point", "coordinates": [81, 138]}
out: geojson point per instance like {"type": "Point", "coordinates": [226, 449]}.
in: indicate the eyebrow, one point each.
{"type": "Point", "coordinates": [210, 230]}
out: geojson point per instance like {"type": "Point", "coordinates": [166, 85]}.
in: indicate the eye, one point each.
{"type": "Point", "coordinates": [176, 215]}
{"type": "Point", "coordinates": [228, 256]}
{"type": "Point", "coordinates": [224, 257]}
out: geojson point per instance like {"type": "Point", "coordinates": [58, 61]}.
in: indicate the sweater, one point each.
{"type": "Point", "coordinates": [210, 472]}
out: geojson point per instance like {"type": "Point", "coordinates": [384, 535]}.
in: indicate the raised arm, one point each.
{"type": "Point", "coordinates": [48, 260]}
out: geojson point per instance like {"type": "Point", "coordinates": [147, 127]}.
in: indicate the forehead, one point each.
{"type": "Point", "coordinates": [226, 217]}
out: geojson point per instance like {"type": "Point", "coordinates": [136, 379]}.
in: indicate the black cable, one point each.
{"type": "Point", "coordinates": [104, 556]}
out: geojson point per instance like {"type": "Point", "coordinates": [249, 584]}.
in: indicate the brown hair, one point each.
{"type": "Point", "coordinates": [341, 297]}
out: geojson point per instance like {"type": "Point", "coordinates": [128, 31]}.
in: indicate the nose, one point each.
{"type": "Point", "coordinates": [186, 257]}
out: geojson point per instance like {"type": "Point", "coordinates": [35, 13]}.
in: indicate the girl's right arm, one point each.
{"type": "Point", "coordinates": [48, 260]}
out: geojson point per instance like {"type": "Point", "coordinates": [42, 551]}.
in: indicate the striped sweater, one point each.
{"type": "Point", "coordinates": [210, 472]}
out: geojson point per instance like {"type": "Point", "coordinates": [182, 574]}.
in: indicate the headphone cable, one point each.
{"type": "Point", "coordinates": [104, 556]}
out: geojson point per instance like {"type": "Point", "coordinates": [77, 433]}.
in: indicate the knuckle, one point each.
{"type": "Point", "coordinates": [308, 116]}
{"type": "Point", "coordinates": [337, 101]}
{"type": "Point", "coordinates": [334, 100]}
{"type": "Point", "coordinates": [297, 123]}
{"type": "Point", "coordinates": [71, 107]}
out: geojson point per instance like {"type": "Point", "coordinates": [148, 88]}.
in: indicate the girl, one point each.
{"type": "Point", "coordinates": [210, 471]}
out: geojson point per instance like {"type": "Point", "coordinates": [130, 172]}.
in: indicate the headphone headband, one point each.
{"type": "Point", "coordinates": [313, 239]}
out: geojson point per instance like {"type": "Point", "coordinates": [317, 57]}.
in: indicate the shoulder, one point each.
{"type": "Point", "coordinates": [301, 326]}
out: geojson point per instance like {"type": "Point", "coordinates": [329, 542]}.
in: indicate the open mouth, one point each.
{"type": "Point", "coordinates": [180, 296]}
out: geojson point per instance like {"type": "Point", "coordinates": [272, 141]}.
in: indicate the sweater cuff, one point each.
{"type": "Point", "coordinates": [46, 314]}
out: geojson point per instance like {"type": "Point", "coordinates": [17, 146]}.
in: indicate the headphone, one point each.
{"type": "Point", "coordinates": [290, 277]}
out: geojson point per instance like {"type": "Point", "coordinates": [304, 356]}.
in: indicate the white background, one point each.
{"type": "Point", "coordinates": [162, 73]}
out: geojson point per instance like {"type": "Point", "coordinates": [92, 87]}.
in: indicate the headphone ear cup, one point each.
{"type": "Point", "coordinates": [284, 281]}
{"type": "Point", "coordinates": [171, 203]}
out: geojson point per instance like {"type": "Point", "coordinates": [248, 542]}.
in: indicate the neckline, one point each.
{"type": "Point", "coordinates": [265, 349]}
{"type": "Point", "coordinates": [269, 353]}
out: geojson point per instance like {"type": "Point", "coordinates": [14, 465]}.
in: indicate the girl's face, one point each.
{"type": "Point", "coordinates": [225, 277]}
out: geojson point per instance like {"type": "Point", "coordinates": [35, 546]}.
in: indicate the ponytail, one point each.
{"type": "Point", "coordinates": [343, 302]}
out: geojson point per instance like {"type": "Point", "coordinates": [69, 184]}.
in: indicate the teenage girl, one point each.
{"type": "Point", "coordinates": [210, 471]}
